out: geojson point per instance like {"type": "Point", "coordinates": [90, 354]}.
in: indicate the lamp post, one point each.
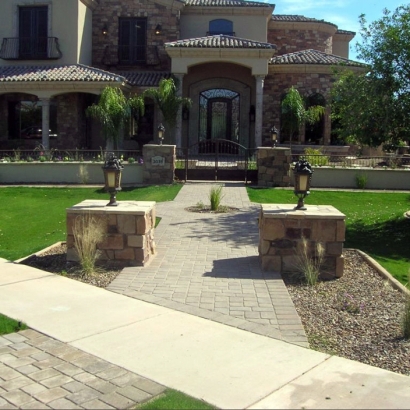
{"type": "Point", "coordinates": [112, 176]}
{"type": "Point", "coordinates": [303, 176]}
{"type": "Point", "coordinates": [161, 132]}
{"type": "Point", "coordinates": [274, 136]}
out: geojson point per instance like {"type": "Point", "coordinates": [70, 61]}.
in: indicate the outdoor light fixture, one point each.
{"type": "Point", "coordinates": [105, 30]}
{"type": "Point", "coordinates": [161, 132]}
{"type": "Point", "coordinates": [274, 136]}
{"type": "Point", "coordinates": [185, 113]}
{"type": "Point", "coordinates": [252, 113]}
{"type": "Point", "coordinates": [112, 175]}
{"type": "Point", "coordinates": [158, 29]}
{"type": "Point", "coordinates": [303, 175]}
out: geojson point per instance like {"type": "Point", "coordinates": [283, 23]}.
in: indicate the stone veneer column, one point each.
{"type": "Point", "coordinates": [178, 125]}
{"type": "Point", "coordinates": [274, 166]}
{"type": "Point", "coordinates": [128, 231]}
{"type": "Point", "coordinates": [45, 124]}
{"type": "Point", "coordinates": [159, 164]}
{"type": "Point", "coordinates": [259, 110]}
{"type": "Point", "coordinates": [282, 229]}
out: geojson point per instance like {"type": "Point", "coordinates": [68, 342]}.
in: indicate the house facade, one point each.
{"type": "Point", "coordinates": [234, 59]}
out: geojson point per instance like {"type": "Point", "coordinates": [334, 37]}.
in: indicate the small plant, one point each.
{"type": "Point", "coordinates": [88, 232]}
{"type": "Point", "coordinates": [309, 263]}
{"type": "Point", "coordinates": [29, 159]}
{"type": "Point", "coordinates": [316, 157]}
{"type": "Point", "coordinates": [42, 158]}
{"type": "Point", "coordinates": [215, 197]}
{"type": "Point", "coordinates": [131, 160]}
{"type": "Point", "coordinates": [361, 181]}
{"type": "Point", "coordinates": [200, 205]}
{"type": "Point", "coordinates": [351, 305]}
{"type": "Point", "coordinates": [16, 155]}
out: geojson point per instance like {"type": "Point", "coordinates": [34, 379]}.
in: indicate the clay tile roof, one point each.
{"type": "Point", "coordinates": [220, 41]}
{"type": "Point", "coordinates": [226, 3]}
{"type": "Point", "coordinates": [298, 18]}
{"type": "Point", "coordinates": [145, 78]}
{"type": "Point", "coordinates": [74, 72]}
{"type": "Point", "coordinates": [353, 33]}
{"type": "Point", "coordinates": [313, 57]}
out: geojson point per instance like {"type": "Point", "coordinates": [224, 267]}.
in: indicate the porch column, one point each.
{"type": "Point", "coordinates": [178, 125]}
{"type": "Point", "coordinates": [45, 124]}
{"type": "Point", "coordinates": [259, 109]}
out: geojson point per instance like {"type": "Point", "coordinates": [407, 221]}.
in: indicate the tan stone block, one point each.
{"type": "Point", "coordinates": [112, 219]}
{"type": "Point", "coordinates": [124, 254]}
{"type": "Point", "coordinates": [271, 263]}
{"type": "Point", "coordinates": [140, 254]}
{"type": "Point", "coordinates": [70, 241]}
{"type": "Point", "coordinates": [136, 241]}
{"type": "Point", "coordinates": [292, 222]}
{"type": "Point", "coordinates": [289, 263]}
{"type": "Point", "coordinates": [114, 241]}
{"type": "Point", "coordinates": [272, 229]}
{"type": "Point", "coordinates": [126, 223]}
{"type": "Point", "coordinates": [72, 255]}
{"type": "Point", "coordinates": [334, 248]}
{"type": "Point", "coordinates": [70, 222]}
{"type": "Point", "coordinates": [143, 224]}
{"type": "Point", "coordinates": [264, 247]}
{"type": "Point", "coordinates": [340, 264]}
{"type": "Point", "coordinates": [324, 231]}
{"type": "Point", "coordinates": [340, 231]}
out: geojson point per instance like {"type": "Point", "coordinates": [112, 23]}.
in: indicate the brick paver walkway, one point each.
{"type": "Point", "coordinates": [39, 372]}
{"type": "Point", "coordinates": [207, 265]}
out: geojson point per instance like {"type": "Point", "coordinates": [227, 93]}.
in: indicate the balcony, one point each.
{"type": "Point", "coordinates": [30, 48]}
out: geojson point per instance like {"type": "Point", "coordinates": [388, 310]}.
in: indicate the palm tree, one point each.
{"type": "Point", "coordinates": [167, 100]}
{"type": "Point", "coordinates": [114, 111]}
{"type": "Point", "coordinates": [294, 113]}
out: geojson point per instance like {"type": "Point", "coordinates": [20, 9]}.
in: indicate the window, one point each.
{"type": "Point", "coordinates": [221, 26]}
{"type": "Point", "coordinates": [33, 33]}
{"type": "Point", "coordinates": [132, 43]}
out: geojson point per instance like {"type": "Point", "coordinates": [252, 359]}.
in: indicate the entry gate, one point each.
{"type": "Point", "coordinates": [216, 160]}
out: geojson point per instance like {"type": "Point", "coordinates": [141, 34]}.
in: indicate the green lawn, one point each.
{"type": "Point", "coordinates": [173, 399]}
{"type": "Point", "coordinates": [374, 222]}
{"type": "Point", "coordinates": [8, 325]}
{"type": "Point", "coordinates": [34, 218]}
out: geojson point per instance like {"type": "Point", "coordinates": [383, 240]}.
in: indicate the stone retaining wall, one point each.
{"type": "Point", "coordinates": [282, 229]}
{"type": "Point", "coordinates": [129, 231]}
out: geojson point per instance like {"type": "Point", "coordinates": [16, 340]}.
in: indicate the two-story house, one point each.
{"type": "Point", "coordinates": [235, 59]}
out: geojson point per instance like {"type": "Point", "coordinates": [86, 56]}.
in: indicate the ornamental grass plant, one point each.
{"type": "Point", "coordinates": [309, 263]}
{"type": "Point", "coordinates": [215, 197]}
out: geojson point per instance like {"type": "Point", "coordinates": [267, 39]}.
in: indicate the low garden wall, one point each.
{"type": "Point", "coordinates": [64, 173]}
{"type": "Point", "coordinates": [328, 177]}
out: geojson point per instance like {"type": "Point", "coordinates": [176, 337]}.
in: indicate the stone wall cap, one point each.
{"type": "Point", "coordinates": [279, 211]}
{"type": "Point", "coordinates": [124, 207]}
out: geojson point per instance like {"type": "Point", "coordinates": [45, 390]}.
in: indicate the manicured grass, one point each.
{"type": "Point", "coordinates": [374, 222]}
{"type": "Point", "coordinates": [173, 400]}
{"type": "Point", "coordinates": [34, 218]}
{"type": "Point", "coordinates": [8, 325]}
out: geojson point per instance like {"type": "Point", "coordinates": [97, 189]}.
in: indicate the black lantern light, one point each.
{"type": "Point", "coordinates": [274, 136]}
{"type": "Point", "coordinates": [105, 30]}
{"type": "Point", "coordinates": [112, 175]}
{"type": "Point", "coordinates": [161, 132]}
{"type": "Point", "coordinates": [252, 113]}
{"type": "Point", "coordinates": [158, 29]}
{"type": "Point", "coordinates": [303, 175]}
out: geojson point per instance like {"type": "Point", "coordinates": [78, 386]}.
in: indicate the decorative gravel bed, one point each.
{"type": "Point", "coordinates": [357, 316]}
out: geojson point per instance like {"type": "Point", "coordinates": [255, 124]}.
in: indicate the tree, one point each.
{"type": "Point", "coordinates": [167, 100]}
{"type": "Point", "coordinates": [373, 108]}
{"type": "Point", "coordinates": [114, 111]}
{"type": "Point", "coordinates": [294, 113]}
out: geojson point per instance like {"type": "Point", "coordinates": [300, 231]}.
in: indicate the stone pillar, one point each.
{"type": "Point", "coordinates": [178, 125]}
{"type": "Point", "coordinates": [128, 231]}
{"type": "Point", "coordinates": [159, 164]}
{"type": "Point", "coordinates": [259, 110]}
{"type": "Point", "coordinates": [282, 229]}
{"type": "Point", "coordinates": [274, 166]}
{"type": "Point", "coordinates": [45, 124]}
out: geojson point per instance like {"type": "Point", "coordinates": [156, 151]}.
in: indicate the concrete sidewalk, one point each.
{"type": "Point", "coordinates": [182, 323]}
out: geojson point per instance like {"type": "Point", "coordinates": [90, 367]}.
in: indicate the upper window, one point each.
{"type": "Point", "coordinates": [221, 26]}
{"type": "Point", "coordinates": [33, 32]}
{"type": "Point", "coordinates": [132, 42]}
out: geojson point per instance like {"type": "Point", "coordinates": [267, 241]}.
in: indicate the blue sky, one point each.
{"type": "Point", "coordinates": [344, 13]}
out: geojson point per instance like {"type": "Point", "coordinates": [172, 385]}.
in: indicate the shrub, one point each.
{"type": "Point", "coordinates": [88, 232]}
{"type": "Point", "coordinates": [131, 160]}
{"type": "Point", "coordinates": [309, 264]}
{"type": "Point", "coordinates": [42, 158]}
{"type": "Point", "coordinates": [215, 197]}
{"type": "Point", "coordinates": [361, 181]}
{"type": "Point", "coordinates": [316, 157]}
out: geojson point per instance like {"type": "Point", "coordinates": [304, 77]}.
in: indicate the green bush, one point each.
{"type": "Point", "coordinates": [215, 197]}
{"type": "Point", "coordinates": [316, 157]}
{"type": "Point", "coordinates": [361, 181]}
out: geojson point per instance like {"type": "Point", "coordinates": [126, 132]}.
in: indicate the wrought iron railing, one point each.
{"type": "Point", "coordinates": [30, 48]}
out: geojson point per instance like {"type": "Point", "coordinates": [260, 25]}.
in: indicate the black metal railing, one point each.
{"type": "Point", "coordinates": [30, 48]}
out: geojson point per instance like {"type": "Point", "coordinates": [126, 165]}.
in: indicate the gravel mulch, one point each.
{"type": "Point", "coordinates": [357, 316]}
